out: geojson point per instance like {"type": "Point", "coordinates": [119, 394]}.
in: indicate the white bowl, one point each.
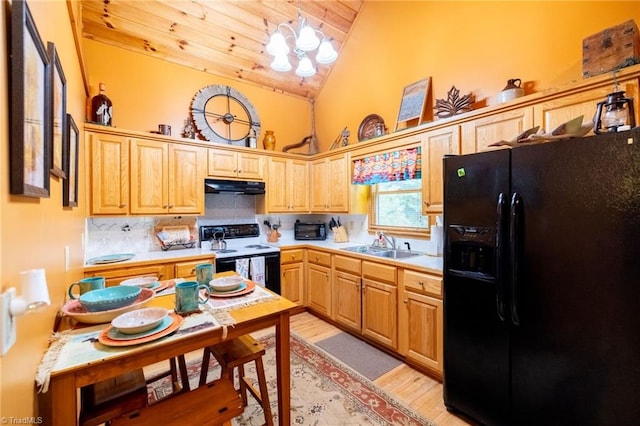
{"type": "Point", "coordinates": [145, 282]}
{"type": "Point", "coordinates": [226, 283]}
{"type": "Point", "coordinates": [140, 320]}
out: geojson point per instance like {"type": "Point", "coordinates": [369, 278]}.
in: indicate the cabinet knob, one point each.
{"type": "Point", "coordinates": [405, 301]}
{"type": "Point", "coordinates": [421, 284]}
{"type": "Point", "coordinates": [171, 206]}
{"type": "Point", "coordinates": [165, 206]}
{"type": "Point", "coordinates": [426, 203]}
{"type": "Point", "coordinates": [123, 205]}
{"type": "Point", "coordinates": [239, 171]}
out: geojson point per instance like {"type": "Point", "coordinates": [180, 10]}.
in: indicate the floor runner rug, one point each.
{"type": "Point", "coordinates": [359, 355]}
{"type": "Point", "coordinates": [324, 391]}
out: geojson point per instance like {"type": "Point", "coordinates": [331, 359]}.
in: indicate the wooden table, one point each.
{"type": "Point", "coordinates": [60, 405]}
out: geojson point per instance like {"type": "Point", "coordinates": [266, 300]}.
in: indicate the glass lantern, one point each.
{"type": "Point", "coordinates": [613, 113]}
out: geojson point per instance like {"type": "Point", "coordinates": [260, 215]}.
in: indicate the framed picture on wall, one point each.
{"type": "Point", "coordinates": [58, 85]}
{"type": "Point", "coordinates": [30, 131]}
{"type": "Point", "coordinates": [70, 161]}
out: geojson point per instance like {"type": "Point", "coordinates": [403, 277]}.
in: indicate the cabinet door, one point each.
{"type": "Point", "coordinates": [250, 166]}
{"type": "Point", "coordinates": [222, 163]}
{"type": "Point", "coordinates": [478, 134]}
{"type": "Point", "coordinates": [292, 281]}
{"type": "Point", "coordinates": [347, 307]}
{"type": "Point", "coordinates": [149, 178]}
{"type": "Point", "coordinates": [551, 113]}
{"type": "Point", "coordinates": [379, 312]}
{"type": "Point", "coordinates": [298, 179]}
{"type": "Point", "coordinates": [339, 184]}
{"type": "Point", "coordinates": [277, 192]}
{"type": "Point", "coordinates": [424, 327]}
{"type": "Point", "coordinates": [319, 185]}
{"type": "Point", "coordinates": [109, 172]}
{"type": "Point", "coordinates": [319, 289]}
{"type": "Point", "coordinates": [436, 145]}
{"type": "Point", "coordinates": [186, 174]}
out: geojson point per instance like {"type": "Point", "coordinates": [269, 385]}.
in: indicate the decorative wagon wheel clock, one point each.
{"type": "Point", "coordinates": [224, 115]}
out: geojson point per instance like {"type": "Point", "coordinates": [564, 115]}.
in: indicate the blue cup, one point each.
{"type": "Point", "coordinates": [85, 285]}
{"type": "Point", "coordinates": [188, 298]}
{"type": "Point", "coordinates": [204, 273]}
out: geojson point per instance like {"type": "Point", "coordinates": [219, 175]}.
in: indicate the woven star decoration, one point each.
{"type": "Point", "coordinates": [454, 104]}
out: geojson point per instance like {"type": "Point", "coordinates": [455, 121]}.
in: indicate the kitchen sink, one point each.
{"type": "Point", "coordinates": [382, 252]}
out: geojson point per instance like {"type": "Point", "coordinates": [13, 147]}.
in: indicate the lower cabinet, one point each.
{"type": "Point", "coordinates": [162, 271]}
{"type": "Point", "coordinates": [379, 303]}
{"type": "Point", "coordinates": [420, 319]}
{"type": "Point", "coordinates": [347, 292]}
{"type": "Point", "coordinates": [319, 282]}
{"type": "Point", "coordinates": [292, 275]}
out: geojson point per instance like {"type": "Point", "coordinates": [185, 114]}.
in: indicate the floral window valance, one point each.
{"type": "Point", "coordinates": [388, 167]}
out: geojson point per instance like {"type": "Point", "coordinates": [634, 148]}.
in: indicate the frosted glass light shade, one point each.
{"type": "Point", "coordinates": [326, 53]}
{"type": "Point", "coordinates": [277, 45]}
{"type": "Point", "coordinates": [307, 40]}
{"type": "Point", "coordinates": [281, 63]}
{"type": "Point", "coordinates": [305, 67]}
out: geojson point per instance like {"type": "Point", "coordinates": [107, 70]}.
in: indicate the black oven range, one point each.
{"type": "Point", "coordinates": [243, 242]}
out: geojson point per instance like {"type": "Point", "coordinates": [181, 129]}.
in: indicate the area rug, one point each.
{"type": "Point", "coordinates": [324, 391]}
{"type": "Point", "coordinates": [359, 355]}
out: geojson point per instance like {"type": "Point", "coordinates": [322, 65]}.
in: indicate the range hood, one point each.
{"type": "Point", "coordinates": [218, 186]}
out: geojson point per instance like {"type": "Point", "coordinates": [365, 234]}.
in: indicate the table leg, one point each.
{"type": "Point", "coordinates": [63, 410]}
{"type": "Point", "coordinates": [283, 351]}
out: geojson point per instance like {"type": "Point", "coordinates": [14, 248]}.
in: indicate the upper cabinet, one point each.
{"type": "Point", "coordinates": [479, 133]}
{"type": "Point", "coordinates": [141, 176]}
{"type": "Point", "coordinates": [330, 184]}
{"type": "Point", "coordinates": [287, 186]}
{"type": "Point", "coordinates": [436, 144]}
{"type": "Point", "coordinates": [232, 164]}
{"type": "Point", "coordinates": [108, 173]}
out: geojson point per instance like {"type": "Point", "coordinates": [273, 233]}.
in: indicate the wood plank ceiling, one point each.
{"type": "Point", "coordinates": [222, 37]}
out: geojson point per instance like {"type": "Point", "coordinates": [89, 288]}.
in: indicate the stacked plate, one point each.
{"type": "Point", "coordinates": [76, 311]}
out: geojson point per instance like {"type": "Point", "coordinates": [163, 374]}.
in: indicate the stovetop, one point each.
{"type": "Point", "coordinates": [241, 239]}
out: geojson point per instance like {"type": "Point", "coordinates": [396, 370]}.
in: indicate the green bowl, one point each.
{"type": "Point", "coordinates": [105, 299]}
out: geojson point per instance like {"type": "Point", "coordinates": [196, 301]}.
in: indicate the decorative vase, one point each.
{"type": "Point", "coordinates": [269, 141]}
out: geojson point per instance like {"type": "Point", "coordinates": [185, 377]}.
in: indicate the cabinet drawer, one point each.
{"type": "Point", "coordinates": [379, 272]}
{"type": "Point", "coordinates": [431, 284]}
{"type": "Point", "coordinates": [347, 264]}
{"type": "Point", "coordinates": [187, 270]}
{"type": "Point", "coordinates": [115, 276]}
{"type": "Point", "coordinates": [290, 256]}
{"type": "Point", "coordinates": [319, 258]}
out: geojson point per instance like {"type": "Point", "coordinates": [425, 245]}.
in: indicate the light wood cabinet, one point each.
{"type": "Point", "coordinates": [436, 144]}
{"type": "Point", "coordinates": [292, 275]}
{"type": "Point", "coordinates": [347, 292]}
{"type": "Point", "coordinates": [231, 164]}
{"type": "Point", "coordinates": [318, 291]}
{"type": "Point", "coordinates": [479, 133]}
{"type": "Point", "coordinates": [379, 303]}
{"type": "Point", "coordinates": [166, 178]}
{"type": "Point", "coordinates": [420, 318]}
{"type": "Point", "coordinates": [161, 270]}
{"type": "Point", "coordinates": [550, 113]}
{"type": "Point", "coordinates": [288, 190]}
{"type": "Point", "coordinates": [109, 174]}
{"type": "Point", "coordinates": [330, 184]}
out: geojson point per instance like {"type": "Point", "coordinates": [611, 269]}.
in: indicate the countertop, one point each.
{"type": "Point", "coordinates": [425, 262]}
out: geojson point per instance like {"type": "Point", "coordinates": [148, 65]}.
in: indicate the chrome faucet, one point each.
{"type": "Point", "coordinates": [390, 240]}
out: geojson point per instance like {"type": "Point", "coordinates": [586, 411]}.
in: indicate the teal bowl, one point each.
{"type": "Point", "coordinates": [105, 299]}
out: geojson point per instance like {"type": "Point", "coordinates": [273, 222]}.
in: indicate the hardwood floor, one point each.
{"type": "Point", "coordinates": [417, 390]}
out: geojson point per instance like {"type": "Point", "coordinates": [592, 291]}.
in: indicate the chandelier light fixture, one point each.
{"type": "Point", "coordinates": [304, 42]}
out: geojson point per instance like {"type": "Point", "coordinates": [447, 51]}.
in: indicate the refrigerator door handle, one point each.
{"type": "Point", "coordinates": [514, 245]}
{"type": "Point", "coordinates": [499, 257]}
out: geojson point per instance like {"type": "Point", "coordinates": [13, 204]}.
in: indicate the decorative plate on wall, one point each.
{"type": "Point", "coordinates": [371, 126]}
{"type": "Point", "coordinates": [224, 115]}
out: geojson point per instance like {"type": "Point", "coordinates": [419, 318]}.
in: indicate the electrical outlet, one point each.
{"type": "Point", "coordinates": [66, 259]}
{"type": "Point", "coordinates": [7, 321]}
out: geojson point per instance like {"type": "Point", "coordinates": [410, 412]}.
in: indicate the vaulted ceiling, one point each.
{"type": "Point", "coordinates": [222, 37]}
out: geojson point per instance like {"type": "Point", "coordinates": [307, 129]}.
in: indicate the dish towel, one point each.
{"type": "Point", "coordinates": [257, 270]}
{"type": "Point", "coordinates": [242, 268]}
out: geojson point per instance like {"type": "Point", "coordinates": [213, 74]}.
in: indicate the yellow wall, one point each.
{"type": "Point", "coordinates": [476, 46]}
{"type": "Point", "coordinates": [34, 231]}
{"type": "Point", "coordinates": [146, 92]}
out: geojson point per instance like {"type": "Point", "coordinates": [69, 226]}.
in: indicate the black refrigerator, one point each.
{"type": "Point", "coordinates": [542, 283]}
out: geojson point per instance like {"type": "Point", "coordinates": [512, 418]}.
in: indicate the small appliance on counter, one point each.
{"type": "Point", "coordinates": [309, 231]}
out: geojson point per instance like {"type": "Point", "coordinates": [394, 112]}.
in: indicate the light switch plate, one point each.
{"type": "Point", "coordinates": [7, 321]}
